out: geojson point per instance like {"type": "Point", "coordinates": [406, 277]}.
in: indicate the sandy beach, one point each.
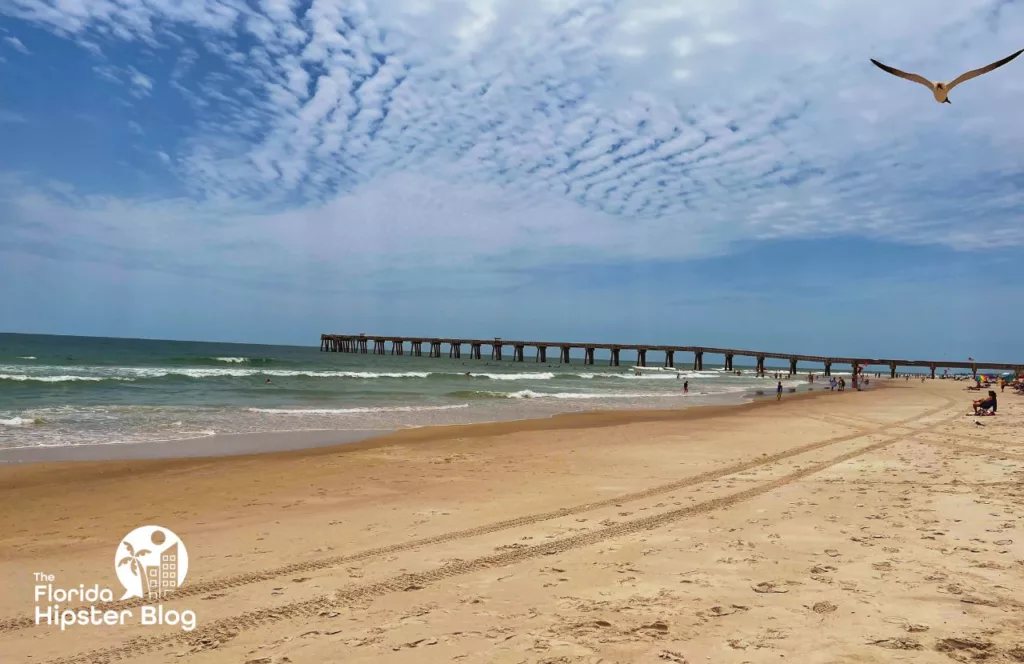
{"type": "Point", "coordinates": [860, 527]}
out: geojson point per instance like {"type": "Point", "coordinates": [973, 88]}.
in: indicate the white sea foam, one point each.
{"type": "Point", "coordinates": [546, 375]}
{"type": "Point", "coordinates": [235, 360]}
{"type": "Point", "coordinates": [16, 422]}
{"type": "Point", "coordinates": [97, 373]}
{"type": "Point", "coordinates": [345, 411]}
{"type": "Point", "coordinates": [26, 357]}
{"type": "Point", "coordinates": [60, 379]}
{"type": "Point", "coordinates": [530, 394]}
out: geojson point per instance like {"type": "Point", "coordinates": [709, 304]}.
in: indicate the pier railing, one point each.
{"type": "Point", "coordinates": [378, 345]}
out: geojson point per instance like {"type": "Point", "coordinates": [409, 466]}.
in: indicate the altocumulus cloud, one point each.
{"type": "Point", "coordinates": [387, 137]}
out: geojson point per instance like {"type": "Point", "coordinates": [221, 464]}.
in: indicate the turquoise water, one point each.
{"type": "Point", "coordinates": [78, 390]}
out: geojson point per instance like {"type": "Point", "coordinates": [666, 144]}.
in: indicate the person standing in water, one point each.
{"type": "Point", "coordinates": [686, 387]}
{"type": "Point", "coordinates": [778, 391]}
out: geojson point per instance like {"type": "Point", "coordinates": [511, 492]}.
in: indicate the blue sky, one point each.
{"type": "Point", "coordinates": [717, 172]}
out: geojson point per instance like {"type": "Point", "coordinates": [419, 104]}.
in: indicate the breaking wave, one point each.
{"type": "Point", "coordinates": [344, 411]}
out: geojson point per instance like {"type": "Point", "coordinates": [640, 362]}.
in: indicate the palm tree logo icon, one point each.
{"type": "Point", "coordinates": [151, 562]}
{"type": "Point", "coordinates": [133, 558]}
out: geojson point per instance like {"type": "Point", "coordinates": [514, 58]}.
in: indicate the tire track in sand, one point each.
{"type": "Point", "coordinates": [248, 578]}
{"type": "Point", "coordinates": [225, 629]}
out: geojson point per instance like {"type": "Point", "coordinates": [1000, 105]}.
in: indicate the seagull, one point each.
{"type": "Point", "coordinates": [941, 90]}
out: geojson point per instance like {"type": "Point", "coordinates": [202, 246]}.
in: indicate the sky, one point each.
{"type": "Point", "coordinates": [714, 172]}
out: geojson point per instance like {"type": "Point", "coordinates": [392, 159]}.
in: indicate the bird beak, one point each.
{"type": "Point", "coordinates": [947, 101]}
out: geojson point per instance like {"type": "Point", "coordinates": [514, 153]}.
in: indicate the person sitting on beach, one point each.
{"type": "Point", "coordinates": [986, 406]}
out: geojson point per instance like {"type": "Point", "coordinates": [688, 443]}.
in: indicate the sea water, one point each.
{"type": "Point", "coordinates": [58, 391]}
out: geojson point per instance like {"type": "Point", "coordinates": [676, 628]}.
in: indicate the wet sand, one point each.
{"type": "Point", "coordinates": [208, 446]}
{"type": "Point", "coordinates": [854, 527]}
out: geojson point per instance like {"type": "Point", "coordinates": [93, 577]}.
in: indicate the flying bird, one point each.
{"type": "Point", "coordinates": [941, 90]}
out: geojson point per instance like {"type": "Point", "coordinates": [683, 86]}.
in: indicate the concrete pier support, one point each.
{"type": "Point", "coordinates": [698, 361]}
{"type": "Point", "coordinates": [435, 349]}
{"type": "Point", "coordinates": [792, 366]}
{"type": "Point", "coordinates": [892, 370]}
{"type": "Point", "coordinates": [496, 351]}
{"type": "Point", "coordinates": [362, 345]}
{"type": "Point", "coordinates": [454, 350]}
{"type": "Point", "coordinates": [518, 353]}
{"type": "Point", "coordinates": [641, 357]}
{"type": "Point", "coordinates": [563, 354]}
{"type": "Point", "coordinates": [614, 360]}
{"type": "Point", "coordinates": [728, 363]}
{"type": "Point", "coordinates": [379, 347]}
{"type": "Point", "coordinates": [398, 347]}
{"type": "Point", "coordinates": [542, 353]}
{"type": "Point", "coordinates": [417, 349]}
{"type": "Point", "coordinates": [588, 356]}
{"type": "Point", "coordinates": [760, 366]}
{"type": "Point", "coordinates": [670, 359]}
{"type": "Point", "coordinates": [474, 351]}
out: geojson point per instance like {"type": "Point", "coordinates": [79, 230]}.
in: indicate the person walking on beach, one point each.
{"type": "Point", "coordinates": [778, 391]}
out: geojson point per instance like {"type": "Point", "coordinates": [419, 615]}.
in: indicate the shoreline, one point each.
{"type": "Point", "coordinates": [289, 444]}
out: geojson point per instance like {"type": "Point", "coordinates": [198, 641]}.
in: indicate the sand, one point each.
{"type": "Point", "coordinates": [858, 527]}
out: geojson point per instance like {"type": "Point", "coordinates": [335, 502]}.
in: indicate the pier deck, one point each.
{"type": "Point", "coordinates": [378, 344]}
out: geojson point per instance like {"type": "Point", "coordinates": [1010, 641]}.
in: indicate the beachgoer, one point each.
{"type": "Point", "coordinates": [686, 387]}
{"type": "Point", "coordinates": [778, 391]}
{"type": "Point", "coordinates": [984, 406]}
{"type": "Point", "coordinates": [268, 381]}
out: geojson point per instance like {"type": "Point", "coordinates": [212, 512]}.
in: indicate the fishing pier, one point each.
{"type": "Point", "coordinates": [435, 347]}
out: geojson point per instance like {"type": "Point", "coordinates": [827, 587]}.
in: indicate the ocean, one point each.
{"type": "Point", "coordinates": [60, 391]}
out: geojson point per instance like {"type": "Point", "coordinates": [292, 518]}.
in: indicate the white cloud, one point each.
{"type": "Point", "coordinates": [10, 117]}
{"type": "Point", "coordinates": [16, 44]}
{"type": "Point", "coordinates": [522, 132]}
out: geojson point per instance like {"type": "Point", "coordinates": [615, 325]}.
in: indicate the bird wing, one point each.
{"type": "Point", "coordinates": [916, 78]}
{"type": "Point", "coordinates": [974, 73]}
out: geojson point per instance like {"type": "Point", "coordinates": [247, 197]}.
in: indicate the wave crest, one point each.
{"type": "Point", "coordinates": [345, 411]}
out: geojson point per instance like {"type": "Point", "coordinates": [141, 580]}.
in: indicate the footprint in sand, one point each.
{"type": "Point", "coordinates": [719, 611]}
{"type": "Point", "coordinates": [766, 587]}
{"type": "Point", "coordinates": [824, 607]}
